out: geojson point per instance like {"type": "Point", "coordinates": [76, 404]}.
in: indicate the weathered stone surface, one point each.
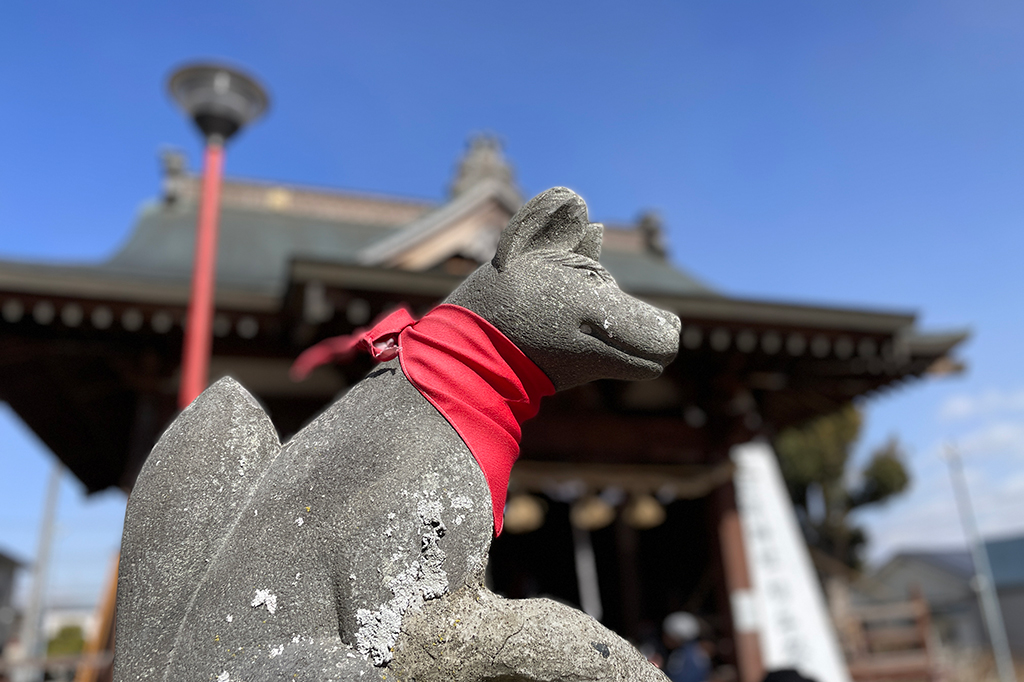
{"type": "Point", "coordinates": [332, 556]}
{"type": "Point", "coordinates": [476, 635]}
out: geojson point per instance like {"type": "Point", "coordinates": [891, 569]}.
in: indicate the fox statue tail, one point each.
{"type": "Point", "coordinates": [193, 488]}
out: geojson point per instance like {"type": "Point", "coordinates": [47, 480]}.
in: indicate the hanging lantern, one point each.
{"type": "Point", "coordinates": [643, 512]}
{"type": "Point", "coordinates": [591, 513]}
{"type": "Point", "coordinates": [524, 514]}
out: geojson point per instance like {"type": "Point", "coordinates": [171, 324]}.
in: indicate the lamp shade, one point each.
{"type": "Point", "coordinates": [220, 99]}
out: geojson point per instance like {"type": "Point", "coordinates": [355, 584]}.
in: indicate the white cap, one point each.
{"type": "Point", "coordinates": [681, 625]}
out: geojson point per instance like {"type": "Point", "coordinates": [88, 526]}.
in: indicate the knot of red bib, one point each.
{"type": "Point", "coordinates": [380, 341]}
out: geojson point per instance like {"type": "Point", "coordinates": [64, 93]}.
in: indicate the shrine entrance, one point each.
{"type": "Point", "coordinates": [641, 575]}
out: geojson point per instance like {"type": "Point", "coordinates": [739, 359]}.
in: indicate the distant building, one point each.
{"type": "Point", "coordinates": [945, 579]}
{"type": "Point", "coordinates": [8, 567]}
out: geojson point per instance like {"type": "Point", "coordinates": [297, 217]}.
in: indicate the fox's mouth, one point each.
{"type": "Point", "coordinates": [599, 333]}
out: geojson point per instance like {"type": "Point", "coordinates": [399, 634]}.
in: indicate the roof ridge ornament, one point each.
{"type": "Point", "coordinates": [174, 165]}
{"type": "Point", "coordinates": [652, 231]}
{"type": "Point", "coordinates": [484, 159]}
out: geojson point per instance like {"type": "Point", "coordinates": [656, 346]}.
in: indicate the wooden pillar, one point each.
{"type": "Point", "coordinates": [629, 577]}
{"type": "Point", "coordinates": [97, 655]}
{"type": "Point", "coordinates": [737, 582]}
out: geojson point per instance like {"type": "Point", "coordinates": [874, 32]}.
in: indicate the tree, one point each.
{"type": "Point", "coordinates": [69, 641]}
{"type": "Point", "coordinates": [815, 460]}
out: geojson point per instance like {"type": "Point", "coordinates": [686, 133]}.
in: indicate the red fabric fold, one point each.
{"type": "Point", "coordinates": [479, 381]}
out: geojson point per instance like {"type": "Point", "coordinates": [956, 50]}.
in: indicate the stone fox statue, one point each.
{"type": "Point", "coordinates": [357, 550]}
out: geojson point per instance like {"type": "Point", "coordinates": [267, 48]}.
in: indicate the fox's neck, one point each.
{"type": "Point", "coordinates": [480, 382]}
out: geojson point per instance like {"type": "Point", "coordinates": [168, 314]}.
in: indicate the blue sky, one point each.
{"type": "Point", "coordinates": [867, 154]}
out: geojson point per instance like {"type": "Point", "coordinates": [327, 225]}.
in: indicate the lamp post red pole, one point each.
{"type": "Point", "coordinates": [220, 100]}
{"type": "Point", "coordinates": [195, 365]}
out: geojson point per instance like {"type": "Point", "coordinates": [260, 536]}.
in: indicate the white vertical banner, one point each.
{"type": "Point", "coordinates": [793, 622]}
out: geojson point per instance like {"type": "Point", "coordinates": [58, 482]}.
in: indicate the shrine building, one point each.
{"type": "Point", "coordinates": [622, 501]}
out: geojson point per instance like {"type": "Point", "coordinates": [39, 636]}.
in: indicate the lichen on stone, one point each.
{"type": "Point", "coordinates": [265, 598]}
{"type": "Point", "coordinates": [425, 578]}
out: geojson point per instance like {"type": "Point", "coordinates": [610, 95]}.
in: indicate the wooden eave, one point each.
{"type": "Point", "coordinates": [711, 308]}
{"type": "Point", "coordinates": [110, 391]}
{"type": "Point", "coordinates": [97, 284]}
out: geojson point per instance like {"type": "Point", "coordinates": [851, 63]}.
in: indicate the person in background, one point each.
{"type": "Point", "coordinates": [687, 660]}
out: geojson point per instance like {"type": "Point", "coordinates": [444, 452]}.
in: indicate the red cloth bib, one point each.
{"type": "Point", "coordinates": [476, 378]}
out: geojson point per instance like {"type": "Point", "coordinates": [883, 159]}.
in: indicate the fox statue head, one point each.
{"type": "Point", "coordinates": [547, 292]}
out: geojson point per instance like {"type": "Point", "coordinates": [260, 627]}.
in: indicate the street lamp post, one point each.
{"type": "Point", "coordinates": [221, 101]}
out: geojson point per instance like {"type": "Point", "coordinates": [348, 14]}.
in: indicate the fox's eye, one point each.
{"type": "Point", "coordinates": [598, 276]}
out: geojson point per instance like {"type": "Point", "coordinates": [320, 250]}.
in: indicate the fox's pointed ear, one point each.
{"type": "Point", "coordinates": [553, 220]}
{"type": "Point", "coordinates": [591, 244]}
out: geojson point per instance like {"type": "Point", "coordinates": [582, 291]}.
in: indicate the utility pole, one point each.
{"type": "Point", "coordinates": [30, 670]}
{"type": "Point", "coordinates": [982, 569]}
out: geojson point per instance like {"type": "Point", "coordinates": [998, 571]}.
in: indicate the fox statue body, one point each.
{"type": "Point", "coordinates": [357, 550]}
